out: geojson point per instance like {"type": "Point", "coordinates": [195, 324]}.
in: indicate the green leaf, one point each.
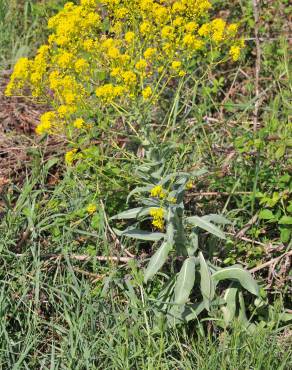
{"type": "Point", "coordinates": [184, 313]}
{"type": "Point", "coordinates": [207, 285]}
{"type": "Point", "coordinates": [143, 235]}
{"type": "Point", "coordinates": [139, 190]}
{"type": "Point", "coordinates": [285, 220]}
{"type": "Point", "coordinates": [192, 311]}
{"type": "Point", "coordinates": [200, 172]}
{"type": "Point", "coordinates": [185, 281]}
{"type": "Point", "coordinates": [285, 316]}
{"type": "Point", "coordinates": [194, 244]}
{"type": "Point", "coordinates": [280, 151]}
{"type": "Point", "coordinates": [157, 260]}
{"type": "Point", "coordinates": [205, 225]}
{"type": "Point", "coordinates": [230, 309]}
{"type": "Point", "coordinates": [131, 213]}
{"type": "Point", "coordinates": [285, 178]}
{"type": "Point", "coordinates": [242, 312]}
{"type": "Point", "coordinates": [285, 235]}
{"type": "Point", "coordinates": [266, 214]}
{"type": "Point", "coordinates": [217, 219]}
{"type": "Point", "coordinates": [237, 273]}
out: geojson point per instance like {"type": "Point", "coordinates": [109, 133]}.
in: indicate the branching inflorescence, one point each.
{"type": "Point", "coordinates": [119, 53]}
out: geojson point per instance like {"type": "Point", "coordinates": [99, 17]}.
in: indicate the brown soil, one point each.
{"type": "Point", "coordinates": [18, 119]}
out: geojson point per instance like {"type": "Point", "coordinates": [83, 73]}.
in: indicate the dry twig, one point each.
{"type": "Point", "coordinates": [273, 261]}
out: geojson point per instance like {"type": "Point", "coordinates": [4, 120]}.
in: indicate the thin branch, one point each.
{"type": "Point", "coordinates": [247, 226]}
{"type": "Point", "coordinates": [113, 235]}
{"type": "Point", "coordinates": [257, 64]}
{"type": "Point", "coordinates": [246, 239]}
{"type": "Point", "coordinates": [82, 257]}
{"type": "Point", "coordinates": [217, 193]}
{"type": "Point", "coordinates": [271, 262]}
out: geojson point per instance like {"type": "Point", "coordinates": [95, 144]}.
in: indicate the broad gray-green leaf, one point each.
{"type": "Point", "coordinates": [184, 313]}
{"type": "Point", "coordinates": [139, 190]}
{"type": "Point", "coordinates": [206, 225]}
{"type": "Point", "coordinates": [193, 311]}
{"type": "Point", "coordinates": [157, 260]}
{"type": "Point", "coordinates": [131, 213]}
{"type": "Point", "coordinates": [185, 281]}
{"type": "Point", "coordinates": [144, 235]}
{"type": "Point", "coordinates": [194, 244]}
{"type": "Point", "coordinates": [207, 285]}
{"type": "Point", "coordinates": [200, 172]}
{"type": "Point", "coordinates": [218, 219]}
{"type": "Point", "coordinates": [230, 308]}
{"type": "Point", "coordinates": [141, 235]}
{"type": "Point", "coordinates": [238, 274]}
{"type": "Point", "coordinates": [285, 316]}
{"type": "Point", "coordinates": [158, 174]}
{"type": "Point", "coordinates": [242, 312]}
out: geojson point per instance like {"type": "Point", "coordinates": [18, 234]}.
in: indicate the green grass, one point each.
{"type": "Point", "coordinates": [59, 313]}
{"type": "Point", "coordinates": [23, 27]}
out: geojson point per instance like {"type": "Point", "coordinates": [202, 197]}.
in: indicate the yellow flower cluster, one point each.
{"type": "Point", "coordinates": [91, 208]}
{"type": "Point", "coordinates": [158, 217]}
{"type": "Point", "coordinates": [48, 120]}
{"type": "Point", "coordinates": [158, 192]}
{"type": "Point", "coordinates": [93, 60]}
{"type": "Point", "coordinates": [70, 156]}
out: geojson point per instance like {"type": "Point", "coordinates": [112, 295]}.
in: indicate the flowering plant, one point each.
{"type": "Point", "coordinates": [183, 298]}
{"type": "Point", "coordinates": [110, 58]}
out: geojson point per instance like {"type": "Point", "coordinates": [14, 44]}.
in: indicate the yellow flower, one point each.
{"type": "Point", "coordinates": [176, 64]}
{"type": "Point", "coordinates": [129, 77]}
{"type": "Point", "coordinates": [20, 74]}
{"type": "Point", "coordinates": [121, 12]}
{"type": "Point", "coordinates": [116, 72]}
{"type": "Point", "coordinates": [145, 27]}
{"type": "Point", "coordinates": [158, 217]}
{"type": "Point", "coordinates": [146, 93]}
{"type": "Point", "coordinates": [191, 26]}
{"type": "Point", "coordinates": [232, 29]}
{"type": "Point", "coordinates": [113, 53]}
{"type": "Point", "coordinates": [69, 156]}
{"type": "Point", "coordinates": [205, 29]}
{"type": "Point", "coordinates": [80, 65]}
{"type": "Point", "coordinates": [192, 42]}
{"type": "Point", "coordinates": [172, 200]}
{"type": "Point", "coordinates": [167, 32]}
{"type": "Point", "coordinates": [89, 3]}
{"type": "Point", "coordinates": [91, 208]}
{"type": "Point", "coordinates": [149, 53]}
{"type": "Point", "coordinates": [178, 21]}
{"type": "Point", "coordinates": [66, 110]}
{"type": "Point", "coordinates": [46, 122]}
{"type": "Point", "coordinates": [141, 64]}
{"type": "Point", "coordinates": [65, 60]}
{"type": "Point", "coordinates": [234, 52]}
{"type": "Point", "coordinates": [78, 123]}
{"type": "Point", "coordinates": [88, 44]}
{"type": "Point", "coordinates": [129, 37]}
{"type": "Point", "coordinates": [218, 27]}
{"type": "Point", "coordinates": [109, 92]}
{"type": "Point", "coordinates": [158, 192]}
{"type": "Point", "coordinates": [178, 7]}
{"type": "Point", "coordinates": [189, 185]}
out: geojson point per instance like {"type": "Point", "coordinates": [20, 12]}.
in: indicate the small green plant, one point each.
{"type": "Point", "coordinates": [184, 296]}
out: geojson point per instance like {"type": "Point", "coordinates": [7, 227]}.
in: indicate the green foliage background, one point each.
{"type": "Point", "coordinates": [66, 314]}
